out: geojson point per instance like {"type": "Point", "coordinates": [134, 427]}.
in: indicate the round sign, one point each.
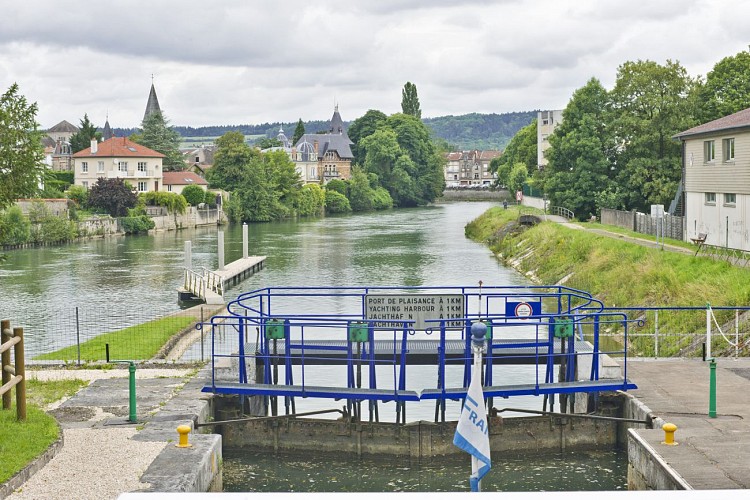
{"type": "Point", "coordinates": [523, 310]}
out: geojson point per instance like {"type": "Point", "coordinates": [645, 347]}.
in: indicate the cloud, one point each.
{"type": "Point", "coordinates": [245, 62]}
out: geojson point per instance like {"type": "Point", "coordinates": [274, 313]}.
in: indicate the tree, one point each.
{"type": "Point", "coordinates": [21, 153]}
{"type": "Point", "coordinates": [650, 103]}
{"type": "Point", "coordinates": [361, 195]}
{"type": "Point", "coordinates": [268, 142]}
{"type": "Point", "coordinates": [410, 101]}
{"type": "Point", "coordinates": [232, 158]}
{"type": "Point", "coordinates": [336, 203]}
{"type": "Point", "coordinates": [580, 150]}
{"type": "Point", "coordinates": [361, 128]}
{"type": "Point", "coordinates": [299, 131]}
{"type": "Point", "coordinates": [113, 196]}
{"type": "Point", "coordinates": [159, 136]}
{"type": "Point", "coordinates": [727, 87]}
{"type": "Point", "coordinates": [522, 149]}
{"type": "Point", "coordinates": [193, 194]}
{"type": "Point", "coordinates": [86, 132]}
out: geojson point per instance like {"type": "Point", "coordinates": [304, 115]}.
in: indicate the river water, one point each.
{"type": "Point", "coordinates": [100, 285]}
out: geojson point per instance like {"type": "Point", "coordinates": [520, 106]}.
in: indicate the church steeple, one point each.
{"type": "Point", "coordinates": [152, 106]}
{"type": "Point", "coordinates": [107, 132]}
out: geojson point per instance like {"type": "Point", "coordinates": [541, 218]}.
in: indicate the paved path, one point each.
{"type": "Point", "coordinates": [713, 453]}
{"type": "Point", "coordinates": [104, 454]}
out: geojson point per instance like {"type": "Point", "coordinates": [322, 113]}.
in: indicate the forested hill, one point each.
{"type": "Point", "coordinates": [471, 131]}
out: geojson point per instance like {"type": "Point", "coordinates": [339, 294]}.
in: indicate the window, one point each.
{"type": "Point", "coordinates": [84, 167]}
{"type": "Point", "coordinates": [730, 198]}
{"type": "Point", "coordinates": [122, 166]}
{"type": "Point", "coordinates": [710, 198]}
{"type": "Point", "coordinates": [142, 186]}
{"type": "Point", "coordinates": [141, 166]}
{"type": "Point", "coordinates": [709, 151]}
{"type": "Point", "coordinates": [100, 166]}
{"type": "Point", "coordinates": [476, 176]}
{"type": "Point", "coordinates": [169, 188]}
{"type": "Point", "coordinates": [728, 149]}
{"type": "Point", "coordinates": [85, 184]}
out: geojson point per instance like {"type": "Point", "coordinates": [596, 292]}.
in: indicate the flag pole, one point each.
{"type": "Point", "coordinates": [477, 346]}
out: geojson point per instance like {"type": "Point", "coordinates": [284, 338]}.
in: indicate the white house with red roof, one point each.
{"type": "Point", "coordinates": [716, 176]}
{"type": "Point", "coordinates": [175, 182]}
{"type": "Point", "coordinates": [119, 157]}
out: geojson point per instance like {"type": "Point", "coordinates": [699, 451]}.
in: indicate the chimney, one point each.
{"type": "Point", "coordinates": [94, 146]}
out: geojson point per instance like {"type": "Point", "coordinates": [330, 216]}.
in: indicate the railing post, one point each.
{"type": "Point", "coordinates": [656, 334]}
{"type": "Point", "coordinates": [20, 372]}
{"type": "Point", "coordinates": [4, 337]}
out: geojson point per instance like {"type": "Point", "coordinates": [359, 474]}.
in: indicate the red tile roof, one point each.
{"type": "Point", "coordinates": [119, 147]}
{"type": "Point", "coordinates": [182, 179]}
{"type": "Point", "coordinates": [740, 119]}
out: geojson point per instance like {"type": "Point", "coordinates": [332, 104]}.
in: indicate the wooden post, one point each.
{"type": "Point", "coordinates": [5, 361]}
{"type": "Point", "coordinates": [20, 371]}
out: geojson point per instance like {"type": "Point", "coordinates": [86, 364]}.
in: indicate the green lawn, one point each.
{"type": "Point", "coordinates": [22, 442]}
{"type": "Point", "coordinates": [138, 342]}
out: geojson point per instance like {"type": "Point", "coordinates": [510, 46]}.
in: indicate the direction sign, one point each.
{"type": "Point", "coordinates": [394, 309]}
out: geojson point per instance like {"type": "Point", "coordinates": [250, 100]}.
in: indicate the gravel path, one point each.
{"type": "Point", "coordinates": [98, 461]}
{"type": "Point", "coordinates": [93, 464]}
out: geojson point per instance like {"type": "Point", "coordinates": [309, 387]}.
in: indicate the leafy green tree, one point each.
{"type": "Point", "coordinates": [650, 103]}
{"type": "Point", "coordinates": [410, 101]}
{"type": "Point", "coordinates": [113, 196]}
{"type": "Point", "coordinates": [299, 131]}
{"type": "Point", "coordinates": [311, 200]}
{"type": "Point", "coordinates": [519, 173]}
{"type": "Point", "coordinates": [336, 203]}
{"type": "Point", "coordinates": [727, 87]}
{"type": "Point", "coordinates": [86, 132]}
{"type": "Point", "coordinates": [232, 158]}
{"type": "Point", "coordinates": [173, 202]}
{"type": "Point", "coordinates": [361, 195]}
{"type": "Point", "coordinates": [15, 227]}
{"type": "Point", "coordinates": [268, 142]}
{"type": "Point", "coordinates": [21, 153]}
{"type": "Point", "coordinates": [159, 136]}
{"type": "Point", "coordinates": [194, 195]}
{"type": "Point", "coordinates": [581, 146]}
{"type": "Point", "coordinates": [362, 127]}
{"type": "Point", "coordinates": [49, 228]}
{"type": "Point", "coordinates": [522, 149]}
{"type": "Point", "coordinates": [79, 195]}
{"type": "Point", "coordinates": [339, 186]}
{"type": "Point", "coordinates": [285, 182]}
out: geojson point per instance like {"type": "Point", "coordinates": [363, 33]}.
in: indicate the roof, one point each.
{"type": "Point", "coordinates": [475, 155]}
{"type": "Point", "coordinates": [740, 119]}
{"type": "Point", "coordinates": [152, 106]}
{"type": "Point", "coordinates": [329, 142]}
{"type": "Point", "coordinates": [119, 147]}
{"type": "Point", "coordinates": [64, 126]}
{"type": "Point", "coordinates": [182, 179]}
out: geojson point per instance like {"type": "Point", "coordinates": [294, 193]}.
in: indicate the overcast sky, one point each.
{"type": "Point", "coordinates": [254, 61]}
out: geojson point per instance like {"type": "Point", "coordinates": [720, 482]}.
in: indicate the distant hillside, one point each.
{"type": "Point", "coordinates": [471, 131]}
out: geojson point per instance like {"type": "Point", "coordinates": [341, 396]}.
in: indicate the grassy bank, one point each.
{"type": "Point", "coordinates": [137, 342]}
{"type": "Point", "coordinates": [22, 442]}
{"type": "Point", "coordinates": [620, 273]}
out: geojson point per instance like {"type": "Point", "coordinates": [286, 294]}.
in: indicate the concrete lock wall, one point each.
{"type": "Point", "coordinates": [419, 439]}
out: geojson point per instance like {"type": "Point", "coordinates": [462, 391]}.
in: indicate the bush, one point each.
{"type": "Point", "coordinates": [137, 224]}
{"type": "Point", "coordinates": [113, 196]}
{"type": "Point", "coordinates": [382, 199]}
{"type": "Point", "coordinates": [173, 201]}
{"type": "Point", "coordinates": [339, 186]}
{"type": "Point", "coordinates": [15, 227]}
{"type": "Point", "coordinates": [336, 203]}
{"type": "Point", "coordinates": [79, 195]}
{"type": "Point", "coordinates": [311, 200]}
{"type": "Point", "coordinates": [48, 228]}
{"type": "Point", "coordinates": [210, 199]}
{"type": "Point", "coordinates": [194, 195]}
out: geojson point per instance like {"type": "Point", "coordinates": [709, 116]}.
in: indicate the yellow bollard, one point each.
{"type": "Point", "coordinates": [669, 430]}
{"type": "Point", "coordinates": [184, 430]}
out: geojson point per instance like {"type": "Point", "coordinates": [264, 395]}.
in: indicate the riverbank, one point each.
{"type": "Point", "coordinates": [620, 271]}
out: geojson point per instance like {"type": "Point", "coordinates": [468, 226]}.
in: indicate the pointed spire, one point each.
{"type": "Point", "coordinates": [337, 124]}
{"type": "Point", "coordinates": [152, 106]}
{"type": "Point", "coordinates": [107, 132]}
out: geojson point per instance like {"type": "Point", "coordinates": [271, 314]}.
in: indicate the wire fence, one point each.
{"type": "Point", "coordinates": [81, 335]}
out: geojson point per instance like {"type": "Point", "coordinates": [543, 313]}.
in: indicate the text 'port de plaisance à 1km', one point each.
{"type": "Point", "coordinates": [416, 308]}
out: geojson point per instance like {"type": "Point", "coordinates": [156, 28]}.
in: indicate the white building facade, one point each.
{"type": "Point", "coordinates": [119, 157]}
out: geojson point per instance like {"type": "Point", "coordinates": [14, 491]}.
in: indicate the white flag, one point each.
{"type": "Point", "coordinates": [472, 434]}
